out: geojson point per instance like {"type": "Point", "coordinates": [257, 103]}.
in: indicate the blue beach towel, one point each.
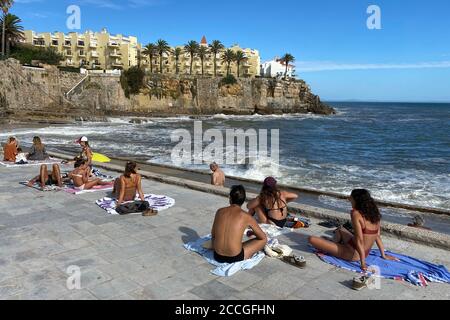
{"type": "Point", "coordinates": [408, 269]}
{"type": "Point", "coordinates": [223, 269]}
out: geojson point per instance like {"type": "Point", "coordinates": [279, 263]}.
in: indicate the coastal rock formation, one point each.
{"type": "Point", "coordinates": [42, 95]}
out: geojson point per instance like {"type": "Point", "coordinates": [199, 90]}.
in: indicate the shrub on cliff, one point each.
{"type": "Point", "coordinates": [132, 80]}
{"type": "Point", "coordinates": [26, 54]}
{"type": "Point", "coordinates": [228, 80]}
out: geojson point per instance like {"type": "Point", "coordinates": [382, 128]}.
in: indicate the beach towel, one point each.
{"type": "Point", "coordinates": [412, 270]}
{"type": "Point", "coordinates": [37, 186]}
{"type": "Point", "coordinates": [157, 202]}
{"type": "Point", "coordinates": [229, 269]}
{"type": "Point", "coordinates": [77, 191]}
{"type": "Point", "coordinates": [30, 163]}
{"type": "Point", "coordinates": [97, 173]}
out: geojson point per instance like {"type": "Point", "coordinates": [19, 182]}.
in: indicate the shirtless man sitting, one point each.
{"type": "Point", "coordinates": [47, 178]}
{"type": "Point", "coordinates": [80, 176]}
{"type": "Point", "coordinates": [217, 176]}
{"type": "Point", "coordinates": [228, 229]}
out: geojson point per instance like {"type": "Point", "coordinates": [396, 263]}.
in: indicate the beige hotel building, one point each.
{"type": "Point", "coordinates": [100, 50]}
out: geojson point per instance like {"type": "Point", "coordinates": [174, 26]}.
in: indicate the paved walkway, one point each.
{"type": "Point", "coordinates": [132, 257]}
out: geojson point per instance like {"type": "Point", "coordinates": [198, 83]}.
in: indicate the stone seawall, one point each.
{"type": "Point", "coordinates": [39, 94]}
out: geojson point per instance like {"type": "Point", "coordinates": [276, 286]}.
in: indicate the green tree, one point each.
{"type": "Point", "coordinates": [239, 57]}
{"type": "Point", "coordinates": [150, 52]}
{"type": "Point", "coordinates": [228, 58]}
{"type": "Point", "coordinates": [177, 52]}
{"type": "Point", "coordinates": [216, 47]}
{"type": "Point", "coordinates": [162, 47]}
{"type": "Point", "coordinates": [5, 6]}
{"type": "Point", "coordinates": [192, 48]}
{"type": "Point", "coordinates": [13, 31]}
{"type": "Point", "coordinates": [27, 53]}
{"type": "Point", "coordinates": [287, 59]}
{"type": "Point", "coordinates": [202, 53]}
{"type": "Point", "coordinates": [132, 80]}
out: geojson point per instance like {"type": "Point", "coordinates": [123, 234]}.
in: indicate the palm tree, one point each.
{"type": "Point", "coordinates": [216, 47]}
{"type": "Point", "coordinates": [192, 48]}
{"type": "Point", "coordinates": [177, 52]}
{"type": "Point", "coordinates": [5, 5]}
{"type": "Point", "coordinates": [162, 47]}
{"type": "Point", "coordinates": [13, 31]}
{"type": "Point", "coordinates": [150, 51]}
{"type": "Point", "coordinates": [239, 56]}
{"type": "Point", "coordinates": [287, 59]}
{"type": "Point", "coordinates": [202, 53]}
{"type": "Point", "coordinates": [228, 58]}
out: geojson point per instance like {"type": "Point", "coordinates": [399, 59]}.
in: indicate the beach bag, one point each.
{"type": "Point", "coordinates": [133, 207]}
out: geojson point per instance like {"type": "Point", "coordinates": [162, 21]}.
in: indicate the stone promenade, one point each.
{"type": "Point", "coordinates": [132, 257]}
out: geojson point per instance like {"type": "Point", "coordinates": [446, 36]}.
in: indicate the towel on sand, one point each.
{"type": "Point", "coordinates": [229, 269]}
{"type": "Point", "coordinates": [156, 202]}
{"type": "Point", "coordinates": [30, 163]}
{"type": "Point", "coordinates": [415, 271]}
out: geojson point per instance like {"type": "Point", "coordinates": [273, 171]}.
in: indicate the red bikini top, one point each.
{"type": "Point", "coordinates": [367, 231]}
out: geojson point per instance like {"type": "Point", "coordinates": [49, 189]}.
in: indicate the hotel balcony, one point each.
{"type": "Point", "coordinates": [82, 54]}
{"type": "Point", "coordinates": [93, 45]}
{"type": "Point", "coordinates": [80, 44]}
{"type": "Point", "coordinates": [68, 53]}
{"type": "Point", "coordinates": [117, 64]}
{"type": "Point", "coordinates": [94, 54]}
{"type": "Point", "coordinates": [39, 43]}
{"type": "Point", "coordinates": [115, 54]}
{"type": "Point", "coordinates": [113, 45]}
{"type": "Point", "coordinates": [67, 44]}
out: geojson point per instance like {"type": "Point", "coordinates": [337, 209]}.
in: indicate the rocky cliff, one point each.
{"type": "Point", "coordinates": [42, 94]}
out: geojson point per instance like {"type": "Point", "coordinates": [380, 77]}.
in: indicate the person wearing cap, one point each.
{"type": "Point", "coordinates": [217, 176]}
{"type": "Point", "coordinates": [271, 204]}
{"type": "Point", "coordinates": [10, 150]}
{"type": "Point", "coordinates": [86, 152]}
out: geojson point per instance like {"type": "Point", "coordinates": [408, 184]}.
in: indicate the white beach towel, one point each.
{"type": "Point", "coordinates": [229, 269]}
{"type": "Point", "coordinates": [157, 202]}
{"type": "Point", "coordinates": [30, 163]}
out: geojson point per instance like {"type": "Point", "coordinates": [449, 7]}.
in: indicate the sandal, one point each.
{"type": "Point", "coordinates": [295, 260]}
{"type": "Point", "coordinates": [150, 213]}
{"type": "Point", "coordinates": [360, 283]}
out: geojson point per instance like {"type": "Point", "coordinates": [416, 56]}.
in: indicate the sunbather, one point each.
{"type": "Point", "coordinates": [366, 222]}
{"type": "Point", "coordinates": [229, 226]}
{"type": "Point", "coordinates": [80, 177]}
{"type": "Point", "coordinates": [10, 150]}
{"type": "Point", "coordinates": [271, 204]}
{"type": "Point", "coordinates": [48, 178]}
{"type": "Point", "coordinates": [128, 185]}
{"type": "Point", "coordinates": [37, 150]}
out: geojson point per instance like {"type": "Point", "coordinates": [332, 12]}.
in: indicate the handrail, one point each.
{"type": "Point", "coordinates": [68, 93]}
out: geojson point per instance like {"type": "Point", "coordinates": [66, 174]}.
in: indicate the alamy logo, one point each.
{"type": "Point", "coordinates": [74, 280]}
{"type": "Point", "coordinates": [374, 20]}
{"type": "Point", "coordinates": [231, 148]}
{"type": "Point", "coordinates": [74, 20]}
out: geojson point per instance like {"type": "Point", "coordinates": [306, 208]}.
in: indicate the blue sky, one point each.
{"type": "Point", "coordinates": [407, 60]}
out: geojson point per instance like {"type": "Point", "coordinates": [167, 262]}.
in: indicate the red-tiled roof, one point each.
{"type": "Point", "coordinates": [204, 40]}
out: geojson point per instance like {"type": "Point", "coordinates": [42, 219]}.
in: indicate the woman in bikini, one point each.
{"type": "Point", "coordinates": [271, 205]}
{"type": "Point", "coordinates": [366, 222]}
{"type": "Point", "coordinates": [128, 185]}
{"type": "Point", "coordinates": [86, 152]}
{"type": "Point", "coordinates": [80, 176]}
{"type": "Point", "coordinates": [48, 178]}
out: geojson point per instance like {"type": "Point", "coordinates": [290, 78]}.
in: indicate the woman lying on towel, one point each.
{"type": "Point", "coordinates": [128, 185]}
{"type": "Point", "coordinates": [48, 178]}
{"type": "Point", "coordinates": [80, 176]}
{"type": "Point", "coordinates": [271, 204]}
{"type": "Point", "coordinates": [366, 222]}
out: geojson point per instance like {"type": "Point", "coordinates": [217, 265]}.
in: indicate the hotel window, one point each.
{"type": "Point", "coordinates": [54, 42]}
{"type": "Point", "coordinates": [81, 43]}
{"type": "Point", "coordinates": [67, 43]}
{"type": "Point", "coordinates": [81, 52]}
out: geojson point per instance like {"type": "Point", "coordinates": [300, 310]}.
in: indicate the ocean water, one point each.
{"type": "Point", "coordinates": [399, 151]}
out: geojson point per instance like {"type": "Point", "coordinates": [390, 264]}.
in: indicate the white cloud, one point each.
{"type": "Point", "coordinates": [315, 66]}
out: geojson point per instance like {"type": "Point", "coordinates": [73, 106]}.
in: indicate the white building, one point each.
{"type": "Point", "coordinates": [276, 68]}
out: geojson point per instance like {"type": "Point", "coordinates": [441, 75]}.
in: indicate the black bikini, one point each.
{"type": "Point", "coordinates": [278, 223]}
{"type": "Point", "coordinates": [223, 259]}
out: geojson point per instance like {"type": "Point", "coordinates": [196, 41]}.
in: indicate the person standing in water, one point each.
{"type": "Point", "coordinates": [217, 176]}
